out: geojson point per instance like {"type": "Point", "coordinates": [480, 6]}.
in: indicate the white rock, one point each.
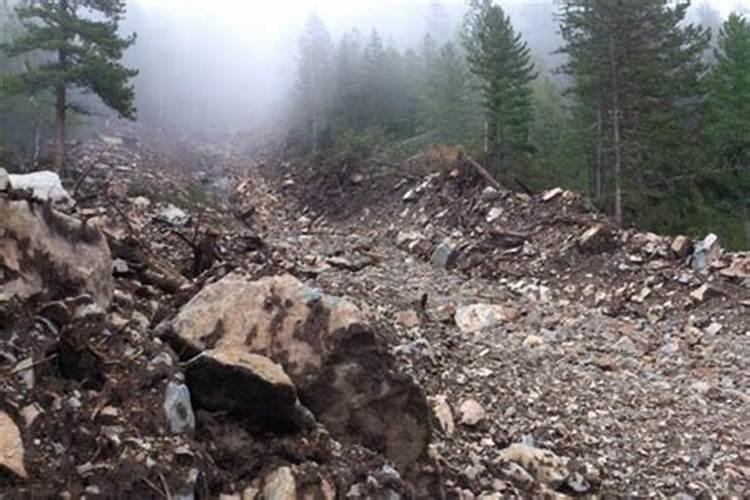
{"type": "Point", "coordinates": [494, 214]}
{"type": "Point", "coordinates": [280, 485]}
{"type": "Point", "coordinates": [471, 412]}
{"type": "Point", "coordinates": [173, 215]}
{"type": "Point", "coordinates": [45, 185]}
{"type": "Point", "coordinates": [478, 317]}
{"type": "Point", "coordinates": [551, 194]}
{"type": "Point", "coordinates": [179, 409]}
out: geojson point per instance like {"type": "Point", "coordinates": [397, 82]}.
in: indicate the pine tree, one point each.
{"type": "Point", "coordinates": [728, 127]}
{"type": "Point", "coordinates": [315, 82]}
{"type": "Point", "coordinates": [501, 62]}
{"type": "Point", "coordinates": [446, 102]}
{"type": "Point", "coordinates": [636, 68]}
{"type": "Point", "coordinates": [86, 52]}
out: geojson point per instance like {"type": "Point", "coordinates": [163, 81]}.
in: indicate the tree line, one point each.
{"type": "Point", "coordinates": [649, 115]}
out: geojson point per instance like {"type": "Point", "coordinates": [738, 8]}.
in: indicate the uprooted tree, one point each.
{"type": "Point", "coordinates": [85, 51]}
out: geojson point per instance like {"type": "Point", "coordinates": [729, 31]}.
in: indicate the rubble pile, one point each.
{"type": "Point", "coordinates": [187, 322]}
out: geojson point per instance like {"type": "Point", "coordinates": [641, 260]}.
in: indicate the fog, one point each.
{"type": "Point", "coordinates": [226, 65]}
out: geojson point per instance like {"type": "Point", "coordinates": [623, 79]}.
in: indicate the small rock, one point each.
{"type": "Point", "coordinates": [713, 328]}
{"type": "Point", "coordinates": [494, 214]}
{"type": "Point", "coordinates": [4, 180]}
{"type": "Point", "coordinates": [534, 342]}
{"type": "Point", "coordinates": [703, 292]}
{"type": "Point", "coordinates": [179, 409]}
{"type": "Point", "coordinates": [250, 493]}
{"type": "Point", "coordinates": [544, 465]}
{"type": "Point", "coordinates": [705, 252]}
{"type": "Point", "coordinates": [490, 194]}
{"type": "Point", "coordinates": [471, 412]}
{"type": "Point", "coordinates": [30, 413]}
{"type": "Point", "coordinates": [445, 255]}
{"type": "Point", "coordinates": [478, 317]}
{"type": "Point", "coordinates": [280, 485]}
{"type": "Point", "coordinates": [415, 194]}
{"type": "Point", "coordinates": [739, 268]}
{"type": "Point", "coordinates": [681, 247]}
{"type": "Point", "coordinates": [403, 238]}
{"type": "Point", "coordinates": [408, 319]}
{"type": "Point", "coordinates": [11, 447]}
{"type": "Point", "coordinates": [141, 203]}
{"type": "Point", "coordinates": [443, 414]}
{"type": "Point", "coordinates": [120, 268]}
{"type": "Point", "coordinates": [173, 216]}
{"type": "Point", "coordinates": [551, 194]}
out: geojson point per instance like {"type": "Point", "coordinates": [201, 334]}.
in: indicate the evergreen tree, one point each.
{"type": "Point", "coordinates": [446, 102]}
{"type": "Point", "coordinates": [501, 62]}
{"type": "Point", "coordinates": [349, 86]}
{"type": "Point", "coordinates": [315, 82]}
{"type": "Point", "coordinates": [87, 50]}
{"type": "Point", "coordinates": [636, 68]}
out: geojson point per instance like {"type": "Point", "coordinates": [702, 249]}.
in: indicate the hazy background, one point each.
{"type": "Point", "coordinates": [225, 65]}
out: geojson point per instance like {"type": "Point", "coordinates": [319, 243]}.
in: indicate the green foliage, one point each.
{"type": "Point", "coordinates": [88, 51]}
{"type": "Point", "coordinates": [501, 62]}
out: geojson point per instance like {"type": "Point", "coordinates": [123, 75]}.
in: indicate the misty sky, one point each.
{"type": "Point", "coordinates": [231, 62]}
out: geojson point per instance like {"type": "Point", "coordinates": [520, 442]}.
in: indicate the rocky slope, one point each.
{"type": "Point", "coordinates": [268, 331]}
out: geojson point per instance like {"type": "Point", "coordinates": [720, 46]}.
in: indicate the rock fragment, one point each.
{"type": "Point", "coordinates": [705, 252]}
{"type": "Point", "coordinates": [11, 447]}
{"type": "Point", "coordinates": [477, 317]}
{"type": "Point", "coordinates": [280, 485]}
{"type": "Point", "coordinates": [471, 412]}
{"type": "Point", "coordinates": [442, 411]}
{"type": "Point", "coordinates": [445, 255]}
{"type": "Point", "coordinates": [4, 180]}
{"type": "Point", "coordinates": [681, 247]}
{"type": "Point", "coordinates": [179, 409]}
{"type": "Point", "coordinates": [544, 465]}
{"type": "Point", "coordinates": [596, 239]}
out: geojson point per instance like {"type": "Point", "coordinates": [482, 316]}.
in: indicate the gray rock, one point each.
{"type": "Point", "coordinates": [445, 255]}
{"type": "Point", "coordinates": [415, 194]}
{"type": "Point", "coordinates": [173, 216]}
{"type": "Point", "coordinates": [705, 251]}
{"type": "Point", "coordinates": [179, 409]}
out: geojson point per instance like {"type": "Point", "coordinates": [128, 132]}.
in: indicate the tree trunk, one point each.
{"type": "Point", "coordinates": [61, 107]}
{"type": "Point", "coordinates": [616, 131]}
{"type": "Point", "coordinates": [60, 120]}
{"type": "Point", "coordinates": [492, 131]}
{"type": "Point", "coordinates": [598, 174]}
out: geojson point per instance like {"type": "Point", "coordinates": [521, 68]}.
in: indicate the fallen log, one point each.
{"type": "Point", "coordinates": [481, 171]}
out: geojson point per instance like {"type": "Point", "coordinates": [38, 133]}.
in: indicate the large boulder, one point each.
{"type": "Point", "coordinates": [338, 365]}
{"type": "Point", "coordinates": [45, 251]}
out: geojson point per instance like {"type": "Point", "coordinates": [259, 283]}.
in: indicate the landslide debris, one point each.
{"type": "Point", "coordinates": [266, 331]}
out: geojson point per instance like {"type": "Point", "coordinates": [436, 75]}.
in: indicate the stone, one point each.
{"type": "Point", "coordinates": [681, 247]}
{"type": "Point", "coordinates": [280, 485]}
{"type": "Point", "coordinates": [443, 414]}
{"type": "Point", "coordinates": [494, 214]}
{"type": "Point", "coordinates": [338, 365]}
{"type": "Point", "coordinates": [445, 255]}
{"type": "Point", "coordinates": [4, 180]}
{"type": "Point", "coordinates": [250, 493]}
{"type": "Point", "coordinates": [544, 465]}
{"type": "Point", "coordinates": [596, 239]}
{"type": "Point", "coordinates": [551, 194]}
{"type": "Point", "coordinates": [705, 252]}
{"type": "Point", "coordinates": [477, 317]}
{"type": "Point", "coordinates": [179, 409]}
{"type": "Point", "coordinates": [490, 194]}
{"type": "Point", "coordinates": [45, 186]}
{"type": "Point", "coordinates": [246, 385]}
{"type": "Point", "coordinates": [120, 268]}
{"type": "Point", "coordinates": [173, 216]}
{"type": "Point", "coordinates": [713, 328]}
{"type": "Point", "coordinates": [141, 203]}
{"type": "Point", "coordinates": [408, 319]}
{"type": "Point", "coordinates": [52, 253]}
{"type": "Point", "coordinates": [471, 412]}
{"type": "Point", "coordinates": [30, 413]}
{"type": "Point", "coordinates": [416, 193]}
{"type": "Point", "coordinates": [739, 268]}
{"type": "Point", "coordinates": [11, 447]}
{"type": "Point", "coordinates": [703, 292]}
